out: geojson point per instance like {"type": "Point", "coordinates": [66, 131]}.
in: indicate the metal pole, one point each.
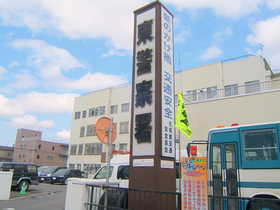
{"type": "Point", "coordinates": [180, 175]}
{"type": "Point", "coordinates": [109, 146]}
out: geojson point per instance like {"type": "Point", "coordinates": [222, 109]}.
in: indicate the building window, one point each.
{"type": "Point", "coordinates": [53, 148]}
{"type": "Point", "coordinates": [252, 86]}
{"type": "Point", "coordinates": [201, 94]}
{"type": "Point", "coordinates": [212, 92]}
{"type": "Point", "coordinates": [38, 157]}
{"type": "Point", "coordinates": [125, 107]}
{"type": "Point", "coordinates": [84, 115]}
{"type": "Point", "coordinates": [72, 166]}
{"type": "Point", "coordinates": [79, 166]}
{"type": "Point", "coordinates": [102, 110]}
{"type": "Point", "coordinates": [231, 90]}
{"type": "Point", "coordinates": [191, 95]}
{"type": "Point", "coordinates": [77, 115]}
{"type": "Point", "coordinates": [96, 111]}
{"type": "Point", "coordinates": [39, 146]}
{"type": "Point", "coordinates": [123, 147]}
{"type": "Point", "coordinates": [82, 131]}
{"type": "Point", "coordinates": [73, 149]}
{"type": "Point", "coordinates": [93, 149]}
{"type": "Point", "coordinates": [114, 109]}
{"type": "Point", "coordinates": [80, 150]}
{"type": "Point", "coordinates": [123, 127]}
{"type": "Point", "coordinates": [19, 156]}
{"type": "Point", "coordinates": [91, 112]}
{"type": "Point", "coordinates": [91, 130]}
{"type": "Point", "coordinates": [50, 157]}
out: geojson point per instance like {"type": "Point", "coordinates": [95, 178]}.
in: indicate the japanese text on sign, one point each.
{"type": "Point", "coordinates": [144, 56]}
{"type": "Point", "coordinates": [168, 135]}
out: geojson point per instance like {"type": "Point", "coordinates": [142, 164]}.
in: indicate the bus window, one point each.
{"type": "Point", "coordinates": [260, 144]}
{"type": "Point", "coordinates": [230, 156]}
{"type": "Point", "coordinates": [217, 165]}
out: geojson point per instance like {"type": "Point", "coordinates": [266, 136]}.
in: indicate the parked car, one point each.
{"type": "Point", "coordinates": [62, 175]}
{"type": "Point", "coordinates": [45, 172]}
{"type": "Point", "coordinates": [23, 173]}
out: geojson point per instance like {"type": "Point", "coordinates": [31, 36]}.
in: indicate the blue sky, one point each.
{"type": "Point", "coordinates": [53, 51]}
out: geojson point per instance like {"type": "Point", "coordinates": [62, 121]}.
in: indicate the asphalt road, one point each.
{"type": "Point", "coordinates": [41, 197]}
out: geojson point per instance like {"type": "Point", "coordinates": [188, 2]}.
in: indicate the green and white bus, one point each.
{"type": "Point", "coordinates": [244, 161]}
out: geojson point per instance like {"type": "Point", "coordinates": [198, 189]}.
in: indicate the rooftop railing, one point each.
{"type": "Point", "coordinates": [206, 94]}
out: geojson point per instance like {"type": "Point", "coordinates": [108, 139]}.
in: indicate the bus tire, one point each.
{"type": "Point", "coordinates": [263, 204]}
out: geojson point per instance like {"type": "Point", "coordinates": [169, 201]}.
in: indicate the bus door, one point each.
{"type": "Point", "coordinates": [224, 176]}
{"type": "Point", "coordinates": [229, 166]}
{"type": "Point", "coordinates": [216, 176]}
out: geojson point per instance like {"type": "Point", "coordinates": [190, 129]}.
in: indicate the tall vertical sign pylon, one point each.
{"type": "Point", "coordinates": [152, 107]}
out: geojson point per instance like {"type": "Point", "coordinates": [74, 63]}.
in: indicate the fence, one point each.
{"type": "Point", "coordinates": [118, 198]}
{"type": "Point", "coordinates": [211, 93]}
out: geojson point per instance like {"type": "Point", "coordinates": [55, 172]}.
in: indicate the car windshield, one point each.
{"type": "Point", "coordinates": [47, 169]}
{"type": "Point", "coordinates": [61, 172]}
{"type": "Point", "coordinates": [103, 173]}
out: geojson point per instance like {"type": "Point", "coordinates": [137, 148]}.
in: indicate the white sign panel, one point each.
{"type": "Point", "coordinates": [168, 116]}
{"type": "Point", "coordinates": [144, 86]}
{"type": "Point", "coordinates": [166, 164]}
{"type": "Point", "coordinates": [143, 162]}
{"type": "Point", "coordinates": [5, 183]}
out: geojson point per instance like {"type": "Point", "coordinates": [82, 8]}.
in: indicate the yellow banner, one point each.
{"type": "Point", "coordinates": [194, 183]}
{"type": "Point", "coordinates": [182, 122]}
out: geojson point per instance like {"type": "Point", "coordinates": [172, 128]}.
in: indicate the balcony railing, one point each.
{"type": "Point", "coordinates": [230, 91]}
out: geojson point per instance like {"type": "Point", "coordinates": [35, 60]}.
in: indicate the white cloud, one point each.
{"type": "Point", "coordinates": [51, 60]}
{"type": "Point", "coordinates": [54, 62]}
{"type": "Point", "coordinates": [182, 36]}
{"type": "Point", "coordinates": [211, 52]}
{"type": "Point", "coordinates": [222, 35]}
{"type": "Point", "coordinates": [14, 64]}
{"type": "Point", "coordinates": [75, 19]}
{"type": "Point", "coordinates": [93, 82]}
{"type": "Point", "coordinates": [35, 102]}
{"type": "Point", "coordinates": [273, 4]}
{"type": "Point", "coordinates": [29, 121]}
{"type": "Point", "coordinates": [23, 81]}
{"type": "Point", "coordinates": [8, 108]}
{"type": "Point", "coordinates": [2, 70]}
{"type": "Point", "coordinates": [227, 8]}
{"type": "Point", "coordinates": [109, 19]}
{"type": "Point", "coordinates": [266, 33]}
{"type": "Point", "coordinates": [63, 134]}
{"type": "Point", "coordinates": [113, 52]}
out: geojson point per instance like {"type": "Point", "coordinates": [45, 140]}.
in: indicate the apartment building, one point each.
{"type": "Point", "coordinates": [29, 147]}
{"type": "Point", "coordinates": [86, 151]}
{"type": "Point", "coordinates": [6, 154]}
{"type": "Point", "coordinates": [242, 90]}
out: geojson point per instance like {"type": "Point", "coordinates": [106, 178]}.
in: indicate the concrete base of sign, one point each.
{"type": "Point", "coordinates": [6, 184]}
{"type": "Point", "coordinates": [149, 178]}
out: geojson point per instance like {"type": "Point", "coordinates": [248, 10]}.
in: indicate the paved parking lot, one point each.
{"type": "Point", "coordinates": [40, 197]}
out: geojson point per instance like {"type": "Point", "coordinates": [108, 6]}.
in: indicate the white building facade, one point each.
{"type": "Point", "coordinates": [242, 90]}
